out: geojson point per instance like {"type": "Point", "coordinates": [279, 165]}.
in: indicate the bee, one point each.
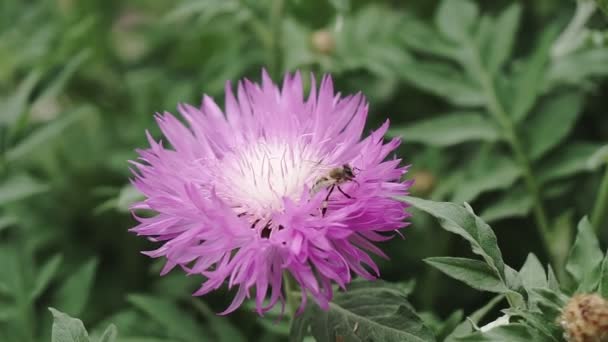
{"type": "Point", "coordinates": [334, 178]}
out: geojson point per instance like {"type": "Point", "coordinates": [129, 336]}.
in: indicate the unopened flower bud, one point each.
{"type": "Point", "coordinates": [323, 42]}
{"type": "Point", "coordinates": [585, 319]}
{"type": "Point", "coordinates": [424, 182]}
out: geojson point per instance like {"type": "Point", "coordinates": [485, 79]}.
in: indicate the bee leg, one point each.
{"type": "Point", "coordinates": [324, 205]}
{"type": "Point", "coordinates": [265, 234]}
{"type": "Point", "coordinates": [343, 193]}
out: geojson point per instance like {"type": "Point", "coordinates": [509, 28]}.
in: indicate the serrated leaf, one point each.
{"type": "Point", "coordinates": [474, 273]}
{"type": "Point", "coordinates": [501, 44]}
{"type": "Point", "coordinates": [574, 158]}
{"type": "Point", "coordinates": [74, 293]}
{"type": "Point", "coordinates": [542, 134]}
{"type": "Point", "coordinates": [19, 187]}
{"type": "Point", "coordinates": [110, 334]}
{"type": "Point", "coordinates": [514, 203]}
{"type": "Point", "coordinates": [456, 19]}
{"type": "Point", "coordinates": [463, 222]}
{"type": "Point", "coordinates": [67, 329]}
{"type": "Point", "coordinates": [585, 258]}
{"type": "Point", "coordinates": [448, 129]}
{"type": "Point", "coordinates": [529, 81]}
{"type": "Point", "coordinates": [532, 273]}
{"type": "Point", "coordinates": [178, 323]}
{"type": "Point", "coordinates": [45, 275]}
{"type": "Point", "coordinates": [367, 311]}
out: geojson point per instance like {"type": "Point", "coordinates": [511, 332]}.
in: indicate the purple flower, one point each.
{"type": "Point", "coordinates": [278, 183]}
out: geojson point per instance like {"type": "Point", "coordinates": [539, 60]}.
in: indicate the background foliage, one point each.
{"type": "Point", "coordinates": [501, 105]}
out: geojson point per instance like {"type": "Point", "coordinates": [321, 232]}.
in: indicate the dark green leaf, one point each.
{"type": "Point", "coordinates": [67, 329]}
{"type": "Point", "coordinates": [74, 293]}
{"type": "Point", "coordinates": [474, 273]}
{"type": "Point", "coordinates": [514, 203]}
{"type": "Point", "coordinates": [603, 5]}
{"type": "Point", "coordinates": [542, 134]}
{"type": "Point", "coordinates": [571, 159]}
{"type": "Point", "coordinates": [529, 82]}
{"type": "Point", "coordinates": [45, 275]}
{"type": "Point", "coordinates": [603, 286]}
{"type": "Point", "coordinates": [178, 323]}
{"type": "Point", "coordinates": [222, 328]}
{"type": "Point", "coordinates": [585, 258]}
{"type": "Point", "coordinates": [487, 173]}
{"type": "Point", "coordinates": [448, 129]}
{"type": "Point", "coordinates": [456, 19]}
{"type": "Point", "coordinates": [368, 311]}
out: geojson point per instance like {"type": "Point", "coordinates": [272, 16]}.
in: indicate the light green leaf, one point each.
{"type": "Point", "coordinates": [444, 81]}
{"type": "Point", "coordinates": [45, 275]}
{"type": "Point", "coordinates": [514, 203]}
{"type": "Point", "coordinates": [599, 158]}
{"type": "Point", "coordinates": [178, 323]}
{"type": "Point", "coordinates": [578, 67]}
{"type": "Point", "coordinates": [127, 196]}
{"type": "Point", "coordinates": [474, 273]}
{"type": "Point", "coordinates": [532, 273]}
{"type": "Point", "coordinates": [419, 36]}
{"type": "Point", "coordinates": [573, 158]}
{"type": "Point", "coordinates": [42, 136]}
{"type": "Point", "coordinates": [74, 293]}
{"type": "Point", "coordinates": [461, 221]}
{"type": "Point", "coordinates": [456, 19]}
{"type": "Point", "coordinates": [603, 286]}
{"type": "Point", "coordinates": [59, 82]}
{"type": "Point", "coordinates": [468, 326]}
{"type": "Point", "coordinates": [585, 258]}
{"type": "Point", "coordinates": [19, 187]}
{"type": "Point", "coordinates": [67, 329]}
{"type": "Point", "coordinates": [17, 103]}
{"type": "Point", "coordinates": [501, 44]}
{"type": "Point", "coordinates": [542, 134]}
{"type": "Point", "coordinates": [109, 335]}
{"type": "Point", "coordinates": [514, 332]}
{"type": "Point", "coordinates": [448, 129]}
{"type": "Point", "coordinates": [367, 311]}
{"type": "Point", "coordinates": [529, 80]}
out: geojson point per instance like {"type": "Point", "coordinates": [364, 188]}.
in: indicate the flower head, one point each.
{"type": "Point", "coordinates": [276, 183]}
{"type": "Point", "coordinates": [585, 318]}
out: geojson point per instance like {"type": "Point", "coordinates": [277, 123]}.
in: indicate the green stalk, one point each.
{"type": "Point", "coordinates": [497, 109]}
{"type": "Point", "coordinates": [290, 295]}
{"type": "Point", "coordinates": [571, 37]}
{"type": "Point", "coordinates": [601, 205]}
{"type": "Point", "coordinates": [276, 25]}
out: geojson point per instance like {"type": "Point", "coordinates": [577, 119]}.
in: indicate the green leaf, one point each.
{"type": "Point", "coordinates": [448, 129]}
{"type": "Point", "coordinates": [603, 286]}
{"type": "Point", "coordinates": [532, 273]}
{"type": "Point", "coordinates": [19, 187]}
{"type": "Point", "coordinates": [45, 275]}
{"type": "Point", "coordinates": [67, 329]}
{"type": "Point", "coordinates": [127, 196]}
{"type": "Point", "coordinates": [443, 80]}
{"type": "Point", "coordinates": [529, 80]}
{"type": "Point", "coordinates": [109, 335]}
{"type": "Point", "coordinates": [541, 132]}
{"type": "Point", "coordinates": [578, 67]}
{"type": "Point", "coordinates": [461, 221]}
{"type": "Point", "coordinates": [573, 158]}
{"type": "Point", "coordinates": [474, 273]}
{"type": "Point", "coordinates": [74, 293]}
{"type": "Point", "coordinates": [514, 203]}
{"type": "Point", "coordinates": [17, 103]}
{"type": "Point", "coordinates": [421, 37]}
{"type": "Point", "coordinates": [222, 328]}
{"type": "Point", "coordinates": [367, 311]}
{"type": "Point", "coordinates": [468, 326]}
{"type": "Point", "coordinates": [585, 258]}
{"type": "Point", "coordinates": [488, 172]}
{"type": "Point", "coordinates": [603, 5]}
{"type": "Point", "coordinates": [42, 136]}
{"type": "Point", "coordinates": [599, 158]}
{"type": "Point", "coordinates": [456, 19]}
{"type": "Point", "coordinates": [178, 323]}
{"type": "Point", "coordinates": [504, 333]}
{"type": "Point", "coordinates": [501, 44]}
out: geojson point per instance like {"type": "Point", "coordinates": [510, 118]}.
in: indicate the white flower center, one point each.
{"type": "Point", "coordinates": [257, 178]}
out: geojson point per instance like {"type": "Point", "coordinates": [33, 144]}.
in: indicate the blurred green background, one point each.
{"type": "Point", "coordinates": [80, 81]}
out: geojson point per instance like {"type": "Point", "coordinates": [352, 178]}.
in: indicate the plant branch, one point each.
{"type": "Point", "coordinates": [276, 24]}
{"type": "Point", "coordinates": [570, 38]}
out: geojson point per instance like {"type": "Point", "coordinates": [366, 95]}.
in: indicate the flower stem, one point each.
{"type": "Point", "coordinates": [290, 295]}
{"type": "Point", "coordinates": [571, 38]}
{"type": "Point", "coordinates": [276, 23]}
{"type": "Point", "coordinates": [497, 109]}
{"type": "Point", "coordinates": [601, 205]}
